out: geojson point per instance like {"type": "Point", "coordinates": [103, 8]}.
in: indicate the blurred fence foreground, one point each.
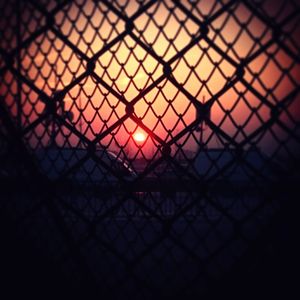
{"type": "Point", "coordinates": [148, 147]}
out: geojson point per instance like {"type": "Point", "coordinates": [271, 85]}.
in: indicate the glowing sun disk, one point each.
{"type": "Point", "coordinates": [139, 137]}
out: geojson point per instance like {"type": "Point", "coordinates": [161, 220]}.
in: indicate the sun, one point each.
{"type": "Point", "coordinates": [139, 137]}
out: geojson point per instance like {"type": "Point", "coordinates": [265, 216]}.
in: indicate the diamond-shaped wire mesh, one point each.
{"type": "Point", "coordinates": [146, 146]}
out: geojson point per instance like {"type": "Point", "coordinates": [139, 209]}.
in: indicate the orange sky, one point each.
{"type": "Point", "coordinates": [128, 69]}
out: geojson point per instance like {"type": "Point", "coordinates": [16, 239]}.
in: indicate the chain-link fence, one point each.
{"type": "Point", "coordinates": [147, 147]}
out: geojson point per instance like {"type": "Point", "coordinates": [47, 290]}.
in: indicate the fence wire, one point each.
{"type": "Point", "coordinates": [145, 146]}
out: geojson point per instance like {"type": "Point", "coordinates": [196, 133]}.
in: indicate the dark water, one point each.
{"type": "Point", "coordinates": [147, 242]}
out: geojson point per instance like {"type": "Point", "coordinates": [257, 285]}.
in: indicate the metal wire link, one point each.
{"type": "Point", "coordinates": [150, 131]}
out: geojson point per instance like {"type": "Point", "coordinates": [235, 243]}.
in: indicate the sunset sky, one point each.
{"type": "Point", "coordinates": [129, 69]}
